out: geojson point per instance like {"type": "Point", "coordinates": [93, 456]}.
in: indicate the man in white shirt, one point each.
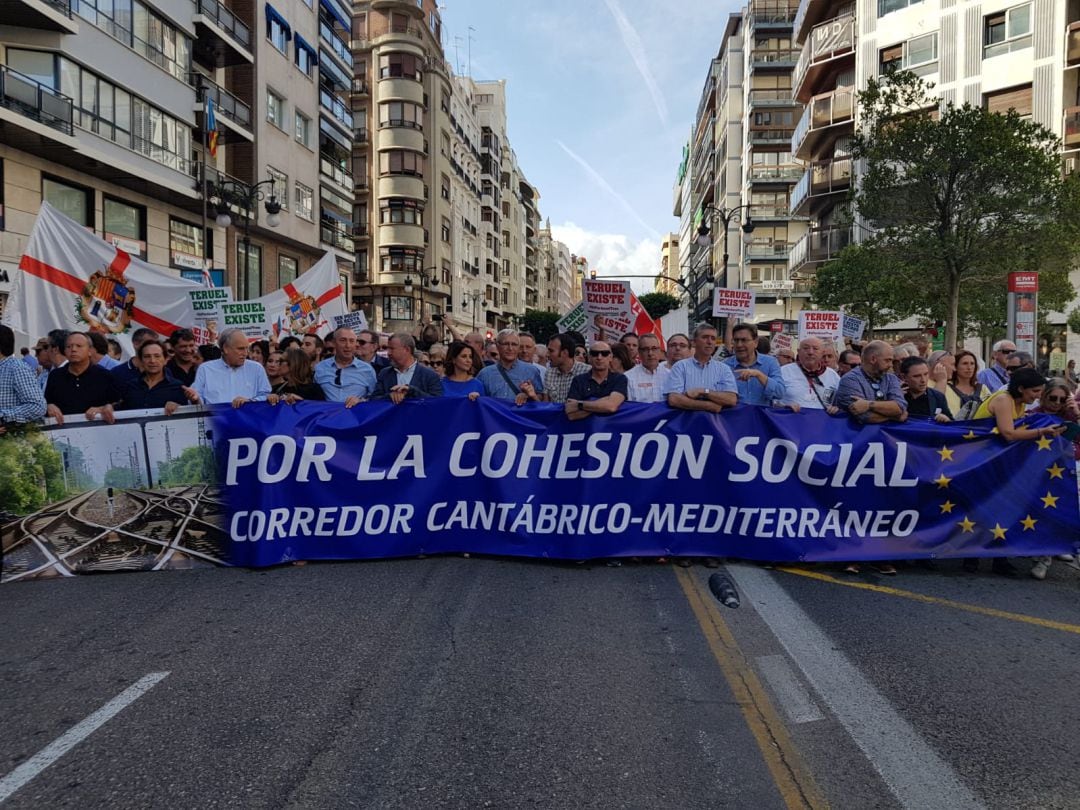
{"type": "Point", "coordinates": [809, 382]}
{"type": "Point", "coordinates": [646, 379]}
{"type": "Point", "coordinates": [233, 378]}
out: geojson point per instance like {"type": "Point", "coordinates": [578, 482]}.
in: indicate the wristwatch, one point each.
{"type": "Point", "coordinates": [580, 405]}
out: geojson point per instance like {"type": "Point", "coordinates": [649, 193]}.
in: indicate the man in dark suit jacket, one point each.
{"type": "Point", "coordinates": [404, 378]}
{"type": "Point", "coordinates": [922, 400]}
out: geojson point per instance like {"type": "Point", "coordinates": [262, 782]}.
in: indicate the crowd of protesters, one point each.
{"type": "Point", "coordinates": [84, 373]}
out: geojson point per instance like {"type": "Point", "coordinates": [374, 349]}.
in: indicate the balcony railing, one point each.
{"type": "Point", "coordinates": [63, 6]}
{"type": "Point", "coordinates": [360, 87]}
{"type": "Point", "coordinates": [333, 233]}
{"type": "Point", "coordinates": [825, 110]}
{"type": "Point", "coordinates": [1072, 126]}
{"type": "Point", "coordinates": [335, 171]}
{"type": "Point", "coordinates": [827, 41]}
{"type": "Point", "coordinates": [822, 177]}
{"type": "Point", "coordinates": [767, 211]}
{"type": "Point", "coordinates": [774, 55]}
{"type": "Point", "coordinates": [99, 19]}
{"type": "Point", "coordinates": [791, 172]}
{"type": "Point", "coordinates": [226, 104]}
{"type": "Point", "coordinates": [770, 135]}
{"type": "Point", "coordinates": [337, 45]}
{"type": "Point", "coordinates": [34, 100]}
{"type": "Point", "coordinates": [1072, 44]}
{"type": "Point", "coordinates": [767, 250]}
{"type": "Point", "coordinates": [819, 245]}
{"type": "Point", "coordinates": [771, 98]}
{"type": "Point", "coordinates": [226, 21]}
{"type": "Point", "coordinates": [336, 107]}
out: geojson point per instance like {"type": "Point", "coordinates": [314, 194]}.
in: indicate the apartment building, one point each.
{"type": "Point", "coordinates": [998, 54]}
{"type": "Point", "coordinates": [102, 114]}
{"type": "Point", "coordinates": [669, 266]}
{"type": "Point", "coordinates": [739, 160]}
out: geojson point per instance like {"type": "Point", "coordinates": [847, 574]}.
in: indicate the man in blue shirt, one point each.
{"type": "Point", "coordinates": [131, 370]}
{"type": "Point", "coordinates": [871, 393]}
{"type": "Point", "coordinates": [21, 399]}
{"type": "Point", "coordinates": [700, 383]}
{"type": "Point", "coordinates": [345, 377]}
{"type": "Point", "coordinates": [231, 378]}
{"type": "Point", "coordinates": [996, 377]}
{"type": "Point", "coordinates": [757, 375]}
{"type": "Point", "coordinates": [511, 378]}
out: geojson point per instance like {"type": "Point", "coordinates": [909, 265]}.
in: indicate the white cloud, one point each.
{"type": "Point", "coordinates": [636, 50]}
{"type": "Point", "coordinates": [613, 255]}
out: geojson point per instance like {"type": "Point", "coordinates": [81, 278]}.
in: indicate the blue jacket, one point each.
{"type": "Point", "coordinates": [425, 383]}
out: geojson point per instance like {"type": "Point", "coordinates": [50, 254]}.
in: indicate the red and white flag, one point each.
{"type": "Point", "coordinates": [309, 304]}
{"type": "Point", "coordinates": [71, 279]}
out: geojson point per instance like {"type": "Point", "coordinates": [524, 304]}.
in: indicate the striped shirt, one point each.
{"type": "Point", "coordinates": [689, 373]}
{"type": "Point", "coordinates": [557, 384]}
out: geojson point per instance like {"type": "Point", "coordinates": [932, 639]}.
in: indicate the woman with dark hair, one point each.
{"type": "Point", "coordinates": [288, 342]}
{"type": "Point", "coordinates": [298, 379]}
{"type": "Point", "coordinates": [621, 359]}
{"type": "Point", "coordinates": [258, 351]}
{"type": "Point", "coordinates": [273, 368]}
{"type": "Point", "coordinates": [461, 364]}
{"type": "Point", "coordinates": [964, 392]}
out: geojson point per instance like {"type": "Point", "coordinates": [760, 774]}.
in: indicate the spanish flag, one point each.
{"type": "Point", "coordinates": [211, 127]}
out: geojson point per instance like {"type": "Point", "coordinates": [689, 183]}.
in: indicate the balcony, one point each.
{"type": "Point", "coordinates": [1072, 128]}
{"type": "Point", "coordinates": [773, 58]}
{"type": "Point", "coordinates": [822, 113]}
{"type": "Point", "coordinates": [337, 44]}
{"type": "Point", "coordinates": [764, 137]}
{"type": "Point", "coordinates": [766, 251]}
{"type": "Point", "coordinates": [771, 98]}
{"type": "Point", "coordinates": [775, 174]}
{"type": "Point", "coordinates": [44, 15]}
{"type": "Point", "coordinates": [771, 14]}
{"type": "Point", "coordinates": [769, 212]}
{"type": "Point", "coordinates": [223, 39]}
{"type": "Point", "coordinates": [34, 100]}
{"type": "Point", "coordinates": [360, 87]}
{"type": "Point", "coordinates": [336, 233]}
{"type": "Point", "coordinates": [337, 108]}
{"type": "Point", "coordinates": [818, 245]}
{"type": "Point", "coordinates": [227, 107]}
{"type": "Point", "coordinates": [827, 43]}
{"type": "Point", "coordinates": [332, 168]}
{"type": "Point", "coordinates": [822, 177]}
{"type": "Point", "coordinates": [1072, 44]}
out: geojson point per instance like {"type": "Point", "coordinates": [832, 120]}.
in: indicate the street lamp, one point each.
{"type": "Point", "coordinates": [425, 281]}
{"type": "Point", "coordinates": [475, 297]}
{"type": "Point", "coordinates": [232, 194]}
{"type": "Point", "coordinates": [726, 217]}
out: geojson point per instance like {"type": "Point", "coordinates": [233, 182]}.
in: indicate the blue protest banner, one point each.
{"type": "Point", "coordinates": [318, 481]}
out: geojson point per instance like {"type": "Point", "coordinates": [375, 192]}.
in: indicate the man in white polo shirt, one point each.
{"type": "Point", "coordinates": [646, 379]}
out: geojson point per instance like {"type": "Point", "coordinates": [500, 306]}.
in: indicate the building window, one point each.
{"type": "Point", "coordinates": [303, 129]}
{"type": "Point", "coordinates": [73, 201]}
{"type": "Point", "coordinates": [305, 202]}
{"type": "Point", "coordinates": [124, 225]}
{"type": "Point", "coordinates": [445, 229]}
{"type": "Point", "coordinates": [275, 109]}
{"type": "Point", "coordinates": [398, 308]}
{"type": "Point", "coordinates": [1007, 31]}
{"type": "Point", "coordinates": [287, 266]}
{"type": "Point", "coordinates": [919, 55]}
{"type": "Point", "coordinates": [278, 34]}
{"type": "Point", "coordinates": [305, 58]}
{"type": "Point", "coordinates": [889, 6]}
{"type": "Point", "coordinates": [444, 187]}
{"type": "Point", "coordinates": [280, 189]}
{"type": "Point", "coordinates": [1013, 98]}
{"type": "Point", "coordinates": [248, 271]}
{"type": "Point", "coordinates": [400, 161]}
{"type": "Point", "coordinates": [401, 212]}
{"type": "Point", "coordinates": [401, 114]}
{"type": "Point", "coordinates": [401, 260]}
{"type": "Point", "coordinates": [400, 66]}
{"type": "Point", "coordinates": [185, 245]}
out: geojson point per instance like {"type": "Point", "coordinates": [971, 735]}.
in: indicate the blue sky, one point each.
{"type": "Point", "coordinates": [601, 97]}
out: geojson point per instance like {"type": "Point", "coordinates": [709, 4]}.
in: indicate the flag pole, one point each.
{"type": "Point", "coordinates": [205, 154]}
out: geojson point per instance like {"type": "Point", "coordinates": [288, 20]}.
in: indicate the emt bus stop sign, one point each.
{"type": "Point", "coordinates": [1023, 305]}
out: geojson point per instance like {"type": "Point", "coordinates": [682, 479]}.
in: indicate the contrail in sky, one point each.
{"type": "Point", "coordinates": [633, 44]}
{"type": "Point", "coordinates": [604, 184]}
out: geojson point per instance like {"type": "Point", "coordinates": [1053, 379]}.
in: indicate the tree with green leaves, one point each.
{"type": "Point", "coordinates": [659, 304]}
{"type": "Point", "coordinates": [861, 280]}
{"type": "Point", "coordinates": [540, 323]}
{"type": "Point", "coordinates": [195, 465]}
{"type": "Point", "coordinates": [953, 198]}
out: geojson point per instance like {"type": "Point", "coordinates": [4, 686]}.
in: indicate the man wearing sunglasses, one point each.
{"type": "Point", "coordinates": [871, 393]}
{"type": "Point", "coordinates": [367, 344]}
{"type": "Point", "coordinates": [345, 377]}
{"type": "Point", "coordinates": [700, 383]}
{"type": "Point", "coordinates": [599, 391]}
{"type": "Point", "coordinates": [996, 376]}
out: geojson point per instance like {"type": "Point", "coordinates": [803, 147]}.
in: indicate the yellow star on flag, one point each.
{"type": "Point", "coordinates": [1029, 523]}
{"type": "Point", "coordinates": [995, 431]}
{"type": "Point", "coordinates": [1055, 471]}
{"type": "Point", "coordinates": [998, 532]}
{"type": "Point", "coordinates": [947, 507]}
{"type": "Point", "coordinates": [943, 481]}
{"type": "Point", "coordinates": [1044, 443]}
{"type": "Point", "coordinates": [970, 434]}
{"type": "Point", "coordinates": [945, 453]}
{"type": "Point", "coordinates": [966, 525]}
{"type": "Point", "coordinates": [1050, 501]}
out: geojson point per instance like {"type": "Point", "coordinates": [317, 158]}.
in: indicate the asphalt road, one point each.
{"type": "Point", "coordinates": [461, 683]}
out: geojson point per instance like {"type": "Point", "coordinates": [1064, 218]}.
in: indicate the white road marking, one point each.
{"type": "Point", "coordinates": [76, 734]}
{"type": "Point", "coordinates": [917, 776]}
{"type": "Point", "coordinates": [788, 689]}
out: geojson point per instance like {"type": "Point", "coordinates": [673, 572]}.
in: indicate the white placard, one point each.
{"type": "Point", "coordinates": [733, 303]}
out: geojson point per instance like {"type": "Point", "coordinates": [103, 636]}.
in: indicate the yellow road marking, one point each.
{"type": "Point", "coordinates": [793, 779]}
{"type": "Point", "coordinates": [1049, 624]}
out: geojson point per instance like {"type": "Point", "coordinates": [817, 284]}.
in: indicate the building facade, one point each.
{"type": "Point", "coordinates": [103, 115]}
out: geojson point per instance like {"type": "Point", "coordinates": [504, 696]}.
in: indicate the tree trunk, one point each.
{"type": "Point", "coordinates": [954, 313]}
